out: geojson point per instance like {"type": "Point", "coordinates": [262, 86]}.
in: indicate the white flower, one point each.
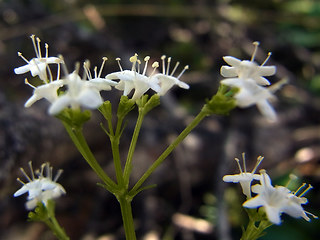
{"type": "Point", "coordinates": [167, 80]}
{"type": "Point", "coordinates": [132, 79]}
{"type": "Point", "coordinates": [38, 65]}
{"type": "Point", "coordinates": [101, 84]}
{"type": "Point", "coordinates": [248, 69]}
{"type": "Point", "coordinates": [248, 77]}
{"type": "Point", "coordinates": [244, 178]}
{"type": "Point", "coordinates": [79, 93]}
{"type": "Point", "coordinates": [47, 91]}
{"type": "Point", "coordinates": [250, 93]}
{"type": "Point", "coordinates": [277, 200]}
{"type": "Point", "coordinates": [40, 188]}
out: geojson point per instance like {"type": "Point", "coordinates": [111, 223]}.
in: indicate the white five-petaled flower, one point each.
{"type": "Point", "coordinates": [38, 65]}
{"type": "Point", "coordinates": [250, 79]}
{"type": "Point", "coordinates": [244, 178]}
{"type": "Point", "coordinates": [166, 79]}
{"type": "Point", "coordinates": [248, 69]}
{"type": "Point", "coordinates": [80, 92]}
{"type": "Point", "coordinates": [133, 79]}
{"type": "Point", "coordinates": [250, 93]}
{"type": "Point", "coordinates": [41, 186]}
{"type": "Point", "coordinates": [277, 200]}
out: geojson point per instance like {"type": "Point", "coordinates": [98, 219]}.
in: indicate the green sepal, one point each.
{"type": "Point", "coordinates": [222, 102]}
{"type": "Point", "coordinates": [106, 110]}
{"type": "Point", "coordinates": [39, 214]}
{"type": "Point", "coordinates": [126, 105]}
{"type": "Point", "coordinates": [146, 104]}
{"type": "Point", "coordinates": [74, 117]}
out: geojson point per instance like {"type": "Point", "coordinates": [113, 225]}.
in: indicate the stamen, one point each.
{"type": "Point", "coordinates": [312, 215]}
{"type": "Point", "coordinates": [184, 69]}
{"type": "Point", "coordinates": [301, 187]}
{"type": "Point", "coordinates": [104, 59]}
{"type": "Point", "coordinates": [25, 174]}
{"type": "Point", "coordinates": [19, 180]}
{"type": "Point", "coordinates": [139, 63]}
{"type": "Point", "coordinates": [86, 67]}
{"type": "Point", "coordinates": [42, 168]}
{"type": "Point", "coordinates": [238, 162]}
{"type": "Point", "coordinates": [51, 171]}
{"type": "Point", "coordinates": [163, 57]}
{"type": "Point", "coordinates": [155, 65]}
{"type": "Point", "coordinates": [34, 45]}
{"type": "Point", "coordinates": [58, 71]}
{"type": "Point", "coordinates": [292, 177]}
{"type": "Point", "coordinates": [27, 82]}
{"type": "Point", "coordinates": [146, 59]}
{"type": "Point", "coordinates": [169, 60]}
{"type": "Point", "coordinates": [47, 49]}
{"type": "Point", "coordinates": [305, 191]}
{"type": "Point", "coordinates": [50, 74]}
{"type": "Point", "coordinates": [265, 61]}
{"type": "Point", "coordinates": [60, 171]}
{"type": "Point", "coordinates": [133, 59]}
{"type": "Point", "coordinates": [39, 48]}
{"type": "Point", "coordinates": [24, 59]}
{"type": "Point", "coordinates": [175, 68]}
{"type": "Point", "coordinates": [256, 44]}
{"type": "Point", "coordinates": [64, 67]}
{"type": "Point", "coordinates": [118, 60]}
{"type": "Point", "coordinates": [244, 161]}
{"type": "Point", "coordinates": [31, 169]}
{"type": "Point", "coordinates": [259, 160]}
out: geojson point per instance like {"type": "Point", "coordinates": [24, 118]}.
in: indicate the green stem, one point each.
{"type": "Point", "coordinates": [128, 166]}
{"type": "Point", "coordinates": [80, 142]}
{"type": "Point", "coordinates": [57, 230]}
{"type": "Point", "coordinates": [203, 113]}
{"type": "Point", "coordinates": [127, 218]}
{"type": "Point", "coordinates": [253, 232]}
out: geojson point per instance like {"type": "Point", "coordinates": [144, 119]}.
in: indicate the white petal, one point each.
{"type": "Point", "coordinates": [58, 105]}
{"type": "Point", "coordinates": [227, 71]}
{"type": "Point", "coordinates": [22, 69]}
{"type": "Point", "coordinates": [90, 99]}
{"type": "Point", "coordinates": [255, 202]}
{"type": "Point", "coordinates": [232, 61]}
{"type": "Point", "coordinates": [273, 214]}
{"type": "Point", "coordinates": [267, 110]}
{"type": "Point", "coordinates": [267, 70]}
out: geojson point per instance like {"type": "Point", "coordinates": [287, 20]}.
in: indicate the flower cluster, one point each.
{"type": "Point", "coordinates": [41, 186]}
{"type": "Point", "coordinates": [249, 78]}
{"type": "Point", "coordinates": [275, 200]}
{"type": "Point", "coordinates": [85, 91]}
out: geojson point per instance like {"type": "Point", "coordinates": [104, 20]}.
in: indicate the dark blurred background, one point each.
{"type": "Point", "coordinates": [190, 201]}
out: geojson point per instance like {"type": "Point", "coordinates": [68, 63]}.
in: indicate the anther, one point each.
{"type": "Point", "coordinates": [154, 65]}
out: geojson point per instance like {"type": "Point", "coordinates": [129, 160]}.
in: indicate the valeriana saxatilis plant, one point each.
{"type": "Point", "coordinates": [71, 99]}
{"type": "Point", "coordinates": [265, 203]}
